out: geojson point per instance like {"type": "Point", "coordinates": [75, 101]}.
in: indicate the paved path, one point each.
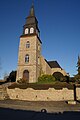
{"type": "Point", "coordinates": [50, 107]}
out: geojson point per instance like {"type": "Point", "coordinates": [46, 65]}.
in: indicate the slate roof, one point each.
{"type": "Point", "coordinates": [53, 64]}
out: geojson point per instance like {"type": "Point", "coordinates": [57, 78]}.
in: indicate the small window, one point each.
{"type": "Point", "coordinates": [28, 44]}
{"type": "Point", "coordinates": [31, 30]}
{"type": "Point", "coordinates": [27, 58]}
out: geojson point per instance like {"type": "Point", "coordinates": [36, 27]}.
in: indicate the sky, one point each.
{"type": "Point", "coordinates": [59, 24]}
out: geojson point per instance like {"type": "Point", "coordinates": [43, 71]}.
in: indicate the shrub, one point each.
{"type": "Point", "coordinates": [72, 79]}
{"type": "Point", "coordinates": [65, 79]}
{"type": "Point", "coordinates": [77, 78]}
{"type": "Point", "coordinates": [22, 81]}
{"type": "Point", "coordinates": [46, 79]}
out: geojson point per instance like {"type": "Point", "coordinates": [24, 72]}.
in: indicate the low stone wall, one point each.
{"type": "Point", "coordinates": [3, 93]}
{"type": "Point", "coordinates": [41, 95]}
{"type": "Point", "coordinates": [78, 93]}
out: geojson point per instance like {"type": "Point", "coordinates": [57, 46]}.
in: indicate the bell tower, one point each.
{"type": "Point", "coordinates": [29, 55]}
{"type": "Point", "coordinates": [31, 25]}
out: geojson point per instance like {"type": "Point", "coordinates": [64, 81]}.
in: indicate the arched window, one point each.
{"type": "Point", "coordinates": [26, 31]}
{"type": "Point", "coordinates": [27, 58]}
{"type": "Point", "coordinates": [32, 30]}
{"type": "Point", "coordinates": [28, 44]}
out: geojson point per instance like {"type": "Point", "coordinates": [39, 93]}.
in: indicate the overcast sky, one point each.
{"type": "Point", "coordinates": [59, 24]}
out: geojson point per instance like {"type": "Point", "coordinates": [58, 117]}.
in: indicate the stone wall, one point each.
{"type": "Point", "coordinates": [38, 95]}
{"type": "Point", "coordinates": [78, 93]}
{"type": "Point", "coordinates": [45, 67]}
{"type": "Point", "coordinates": [59, 70]}
{"type": "Point", "coordinates": [41, 95]}
{"type": "Point", "coordinates": [32, 66]}
{"type": "Point", "coordinates": [3, 92]}
{"type": "Point", "coordinates": [48, 70]}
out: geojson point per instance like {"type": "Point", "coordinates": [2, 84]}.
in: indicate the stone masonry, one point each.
{"type": "Point", "coordinates": [36, 64]}
{"type": "Point", "coordinates": [42, 95]}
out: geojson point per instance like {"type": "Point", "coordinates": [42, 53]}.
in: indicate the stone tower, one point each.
{"type": "Point", "coordinates": [29, 50]}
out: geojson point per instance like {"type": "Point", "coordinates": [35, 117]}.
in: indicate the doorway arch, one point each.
{"type": "Point", "coordinates": [26, 75]}
{"type": "Point", "coordinates": [58, 75]}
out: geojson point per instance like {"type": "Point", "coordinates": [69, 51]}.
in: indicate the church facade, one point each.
{"type": "Point", "coordinates": [31, 63]}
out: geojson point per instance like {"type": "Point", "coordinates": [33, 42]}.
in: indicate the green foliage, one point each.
{"type": "Point", "coordinates": [62, 79]}
{"type": "Point", "coordinates": [71, 79]}
{"type": "Point", "coordinates": [77, 76]}
{"type": "Point", "coordinates": [78, 63]}
{"type": "Point", "coordinates": [12, 77]}
{"type": "Point", "coordinates": [65, 79]}
{"type": "Point", "coordinates": [46, 79]}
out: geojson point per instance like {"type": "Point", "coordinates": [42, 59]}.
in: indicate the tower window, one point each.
{"type": "Point", "coordinates": [27, 58]}
{"type": "Point", "coordinates": [32, 30]}
{"type": "Point", "coordinates": [26, 31]}
{"type": "Point", "coordinates": [28, 44]}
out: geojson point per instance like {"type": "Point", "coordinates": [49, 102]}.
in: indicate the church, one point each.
{"type": "Point", "coordinates": [31, 63]}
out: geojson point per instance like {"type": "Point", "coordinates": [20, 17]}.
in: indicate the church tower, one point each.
{"type": "Point", "coordinates": [29, 50]}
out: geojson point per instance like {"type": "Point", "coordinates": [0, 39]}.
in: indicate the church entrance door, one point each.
{"type": "Point", "coordinates": [26, 75]}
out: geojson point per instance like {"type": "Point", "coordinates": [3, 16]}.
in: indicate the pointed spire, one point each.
{"type": "Point", "coordinates": [32, 11]}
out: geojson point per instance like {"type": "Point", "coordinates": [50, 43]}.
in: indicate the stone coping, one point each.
{"type": "Point", "coordinates": [72, 102]}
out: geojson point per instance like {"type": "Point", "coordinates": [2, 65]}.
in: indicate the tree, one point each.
{"type": "Point", "coordinates": [78, 65]}
{"type": "Point", "coordinates": [77, 76]}
{"type": "Point", "coordinates": [12, 76]}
